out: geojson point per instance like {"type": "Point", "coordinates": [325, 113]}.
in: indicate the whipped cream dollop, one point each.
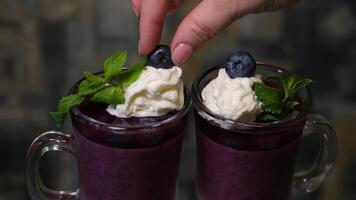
{"type": "Point", "coordinates": [156, 92]}
{"type": "Point", "coordinates": [232, 98]}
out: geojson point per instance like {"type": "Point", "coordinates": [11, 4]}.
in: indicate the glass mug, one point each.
{"type": "Point", "coordinates": [135, 160]}
{"type": "Point", "coordinates": [238, 161]}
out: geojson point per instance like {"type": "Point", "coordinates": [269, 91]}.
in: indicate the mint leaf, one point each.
{"type": "Point", "coordinates": [291, 84]}
{"type": "Point", "coordinates": [295, 113]}
{"type": "Point", "coordinates": [109, 95]}
{"type": "Point", "coordinates": [69, 101]}
{"type": "Point", "coordinates": [276, 109]}
{"type": "Point", "coordinates": [288, 84]}
{"type": "Point", "coordinates": [91, 84]}
{"type": "Point", "coordinates": [114, 64]}
{"type": "Point", "coordinates": [93, 78]}
{"type": "Point", "coordinates": [266, 94]}
{"type": "Point", "coordinates": [278, 103]}
{"type": "Point", "coordinates": [58, 118]}
{"type": "Point", "coordinates": [87, 88]}
{"type": "Point", "coordinates": [104, 89]}
{"type": "Point", "coordinates": [65, 103]}
{"type": "Point", "coordinates": [126, 78]}
{"type": "Point", "coordinates": [290, 105]}
{"type": "Point", "coordinates": [267, 117]}
{"type": "Point", "coordinates": [270, 97]}
{"type": "Point", "coordinates": [303, 83]}
{"type": "Point", "coordinates": [138, 66]}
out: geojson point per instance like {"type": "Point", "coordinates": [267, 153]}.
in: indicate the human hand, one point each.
{"type": "Point", "coordinates": [205, 21]}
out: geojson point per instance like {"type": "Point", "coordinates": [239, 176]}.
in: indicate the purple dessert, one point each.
{"type": "Point", "coordinates": [245, 152]}
{"type": "Point", "coordinates": [235, 165]}
{"type": "Point", "coordinates": [128, 128]}
{"type": "Point", "coordinates": [128, 125]}
{"type": "Point", "coordinates": [127, 158]}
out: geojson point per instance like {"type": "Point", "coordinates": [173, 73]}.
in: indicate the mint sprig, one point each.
{"type": "Point", "coordinates": [126, 78]}
{"type": "Point", "coordinates": [65, 103]}
{"type": "Point", "coordinates": [114, 64]}
{"type": "Point", "coordinates": [279, 102]}
{"type": "Point", "coordinates": [91, 84]}
{"type": "Point", "coordinates": [109, 95]}
{"type": "Point", "coordinates": [108, 88]}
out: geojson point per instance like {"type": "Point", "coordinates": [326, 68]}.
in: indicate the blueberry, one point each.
{"type": "Point", "coordinates": [160, 57]}
{"type": "Point", "coordinates": [240, 64]}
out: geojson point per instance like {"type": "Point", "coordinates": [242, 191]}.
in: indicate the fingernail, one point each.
{"type": "Point", "coordinates": [181, 53]}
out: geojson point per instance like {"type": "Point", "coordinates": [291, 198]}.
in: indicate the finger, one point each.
{"type": "Point", "coordinates": [201, 24]}
{"type": "Point", "coordinates": [174, 4]}
{"type": "Point", "coordinates": [272, 5]}
{"type": "Point", "coordinates": [152, 15]}
{"type": "Point", "coordinates": [136, 6]}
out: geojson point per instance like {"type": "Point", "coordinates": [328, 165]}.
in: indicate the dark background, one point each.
{"type": "Point", "coordinates": [46, 44]}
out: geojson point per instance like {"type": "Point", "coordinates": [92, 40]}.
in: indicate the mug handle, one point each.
{"type": "Point", "coordinates": [306, 181]}
{"type": "Point", "coordinates": [48, 141]}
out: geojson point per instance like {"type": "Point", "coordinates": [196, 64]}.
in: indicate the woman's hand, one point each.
{"type": "Point", "coordinates": [205, 21]}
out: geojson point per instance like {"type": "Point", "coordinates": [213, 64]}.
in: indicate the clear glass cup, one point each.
{"type": "Point", "coordinates": [135, 159]}
{"type": "Point", "coordinates": [238, 161]}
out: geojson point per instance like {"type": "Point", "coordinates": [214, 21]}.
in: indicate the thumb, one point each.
{"type": "Point", "coordinates": [200, 25]}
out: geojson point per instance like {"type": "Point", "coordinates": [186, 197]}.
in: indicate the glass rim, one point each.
{"type": "Point", "coordinates": [199, 105]}
{"type": "Point", "coordinates": [77, 113]}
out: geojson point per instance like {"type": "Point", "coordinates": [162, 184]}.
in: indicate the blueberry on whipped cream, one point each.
{"type": "Point", "coordinates": [157, 91]}
{"type": "Point", "coordinates": [240, 64]}
{"type": "Point", "coordinates": [160, 57]}
{"type": "Point", "coordinates": [230, 94]}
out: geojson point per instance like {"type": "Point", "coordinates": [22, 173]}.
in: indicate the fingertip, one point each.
{"type": "Point", "coordinates": [152, 16]}
{"type": "Point", "coordinates": [135, 11]}
{"type": "Point", "coordinates": [136, 7]}
{"type": "Point", "coordinates": [147, 44]}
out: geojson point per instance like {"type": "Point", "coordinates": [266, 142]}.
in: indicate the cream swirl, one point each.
{"type": "Point", "coordinates": [232, 98]}
{"type": "Point", "coordinates": [156, 92]}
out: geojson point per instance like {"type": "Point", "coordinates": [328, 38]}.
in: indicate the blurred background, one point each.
{"type": "Point", "coordinates": [46, 44]}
